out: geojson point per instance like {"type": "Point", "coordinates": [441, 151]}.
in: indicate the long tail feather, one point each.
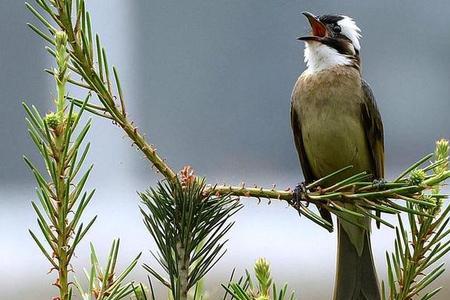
{"type": "Point", "coordinates": [356, 277]}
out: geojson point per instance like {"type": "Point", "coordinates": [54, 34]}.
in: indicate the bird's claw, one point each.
{"type": "Point", "coordinates": [299, 193]}
{"type": "Point", "coordinates": [379, 184]}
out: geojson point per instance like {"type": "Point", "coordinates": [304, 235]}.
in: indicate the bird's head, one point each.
{"type": "Point", "coordinates": [334, 40]}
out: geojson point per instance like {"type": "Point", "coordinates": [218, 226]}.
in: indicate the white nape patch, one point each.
{"type": "Point", "coordinates": [319, 57]}
{"type": "Point", "coordinates": [350, 30]}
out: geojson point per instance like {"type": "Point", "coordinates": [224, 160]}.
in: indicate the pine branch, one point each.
{"type": "Point", "coordinates": [73, 18]}
{"type": "Point", "coordinates": [60, 187]}
{"type": "Point", "coordinates": [410, 187]}
{"type": "Point", "coordinates": [188, 227]}
{"type": "Point", "coordinates": [412, 265]}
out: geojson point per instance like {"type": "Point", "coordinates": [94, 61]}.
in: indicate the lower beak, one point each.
{"type": "Point", "coordinates": [319, 30]}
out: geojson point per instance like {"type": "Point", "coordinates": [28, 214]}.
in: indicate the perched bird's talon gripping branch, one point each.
{"type": "Point", "coordinates": [300, 193]}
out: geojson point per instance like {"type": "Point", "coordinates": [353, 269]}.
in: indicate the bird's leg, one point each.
{"type": "Point", "coordinates": [299, 193]}
{"type": "Point", "coordinates": [379, 184]}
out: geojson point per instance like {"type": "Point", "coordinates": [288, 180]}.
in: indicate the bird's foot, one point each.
{"type": "Point", "coordinates": [379, 184]}
{"type": "Point", "coordinates": [299, 193]}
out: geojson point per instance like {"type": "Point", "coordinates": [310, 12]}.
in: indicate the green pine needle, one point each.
{"type": "Point", "coordinates": [411, 268]}
{"type": "Point", "coordinates": [188, 227]}
{"type": "Point", "coordinates": [245, 289]}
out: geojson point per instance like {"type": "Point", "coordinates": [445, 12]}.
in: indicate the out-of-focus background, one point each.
{"type": "Point", "coordinates": [209, 82]}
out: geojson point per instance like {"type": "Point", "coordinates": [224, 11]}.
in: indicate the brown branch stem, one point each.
{"type": "Point", "coordinates": [88, 72]}
{"type": "Point", "coordinates": [255, 192]}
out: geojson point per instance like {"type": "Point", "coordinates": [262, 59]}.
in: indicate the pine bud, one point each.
{"type": "Point", "coordinates": [61, 38]}
{"type": "Point", "coordinates": [52, 120]}
{"type": "Point", "coordinates": [417, 176]}
{"type": "Point", "coordinates": [441, 153]}
{"type": "Point", "coordinates": [187, 176]}
{"type": "Point", "coordinates": [262, 272]}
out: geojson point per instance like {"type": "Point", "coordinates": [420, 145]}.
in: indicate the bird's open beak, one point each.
{"type": "Point", "coordinates": [318, 29]}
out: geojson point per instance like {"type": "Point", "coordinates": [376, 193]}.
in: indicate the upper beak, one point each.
{"type": "Point", "coordinates": [319, 30]}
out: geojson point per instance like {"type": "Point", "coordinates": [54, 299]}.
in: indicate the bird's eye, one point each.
{"type": "Point", "coordinates": [336, 28]}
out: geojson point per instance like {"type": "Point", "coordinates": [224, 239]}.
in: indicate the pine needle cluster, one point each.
{"type": "Point", "coordinates": [189, 227]}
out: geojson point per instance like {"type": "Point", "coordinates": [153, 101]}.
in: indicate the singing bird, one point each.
{"type": "Point", "coordinates": [336, 123]}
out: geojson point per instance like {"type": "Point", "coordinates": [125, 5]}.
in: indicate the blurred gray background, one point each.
{"type": "Point", "coordinates": [209, 82]}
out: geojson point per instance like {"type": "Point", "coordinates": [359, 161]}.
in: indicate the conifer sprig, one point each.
{"type": "Point", "coordinates": [89, 60]}
{"type": "Point", "coordinates": [106, 283]}
{"type": "Point", "coordinates": [420, 242]}
{"type": "Point", "coordinates": [189, 228]}
{"type": "Point", "coordinates": [62, 199]}
{"type": "Point", "coordinates": [265, 289]}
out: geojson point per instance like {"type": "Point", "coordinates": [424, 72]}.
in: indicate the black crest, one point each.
{"type": "Point", "coordinates": [330, 19]}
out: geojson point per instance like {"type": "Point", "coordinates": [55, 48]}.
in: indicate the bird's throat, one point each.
{"type": "Point", "coordinates": [319, 57]}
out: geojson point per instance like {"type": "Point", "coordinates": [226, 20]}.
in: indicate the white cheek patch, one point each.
{"type": "Point", "coordinates": [350, 30]}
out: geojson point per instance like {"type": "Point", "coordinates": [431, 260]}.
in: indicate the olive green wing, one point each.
{"type": "Point", "coordinates": [298, 140]}
{"type": "Point", "coordinates": [306, 167]}
{"type": "Point", "coordinates": [373, 126]}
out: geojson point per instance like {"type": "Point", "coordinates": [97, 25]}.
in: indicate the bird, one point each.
{"type": "Point", "coordinates": [336, 123]}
